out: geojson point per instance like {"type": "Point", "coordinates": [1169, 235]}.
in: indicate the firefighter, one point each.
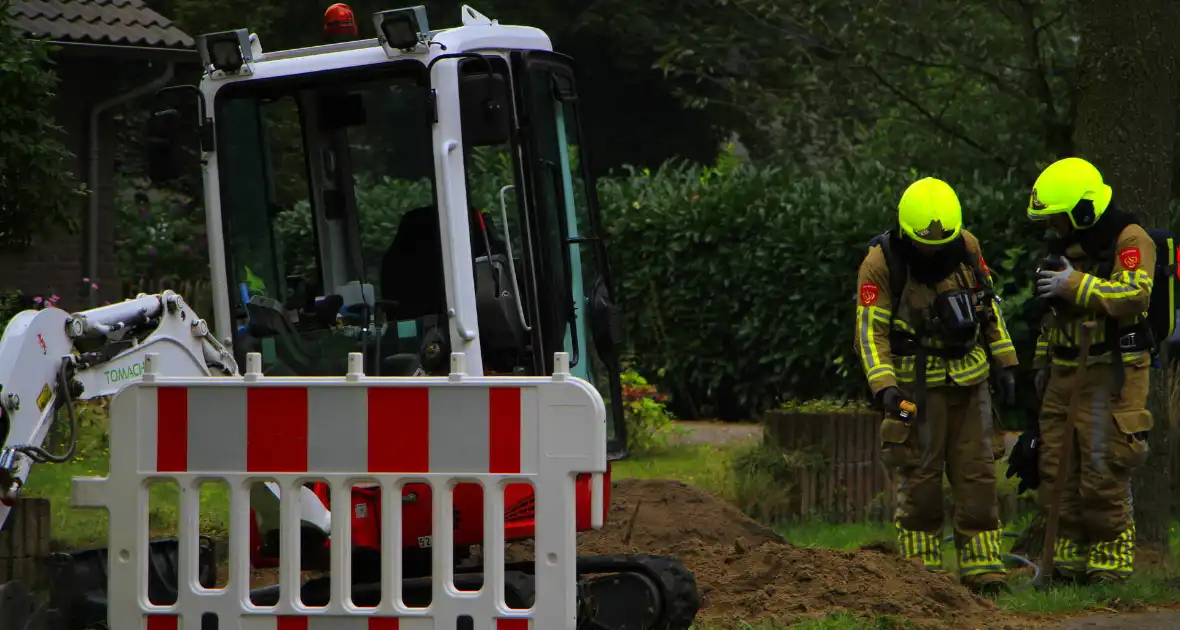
{"type": "Point", "coordinates": [928, 328]}
{"type": "Point", "coordinates": [1104, 274]}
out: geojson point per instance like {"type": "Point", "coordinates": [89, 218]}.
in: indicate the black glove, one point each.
{"type": "Point", "coordinates": [891, 398]}
{"type": "Point", "coordinates": [1041, 379]}
{"type": "Point", "coordinates": [1023, 462]}
{"type": "Point", "coordinates": [1006, 387]}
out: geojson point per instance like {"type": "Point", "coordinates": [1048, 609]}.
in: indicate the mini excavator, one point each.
{"type": "Point", "coordinates": [405, 196]}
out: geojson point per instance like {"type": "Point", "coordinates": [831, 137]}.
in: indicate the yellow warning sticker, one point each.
{"type": "Point", "coordinates": [43, 398]}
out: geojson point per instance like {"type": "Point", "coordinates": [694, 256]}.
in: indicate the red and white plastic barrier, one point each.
{"type": "Point", "coordinates": [390, 432]}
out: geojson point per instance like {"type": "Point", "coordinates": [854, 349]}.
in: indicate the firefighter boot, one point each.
{"type": "Point", "coordinates": [980, 566]}
{"type": "Point", "coordinates": [1069, 562]}
{"type": "Point", "coordinates": [1111, 561]}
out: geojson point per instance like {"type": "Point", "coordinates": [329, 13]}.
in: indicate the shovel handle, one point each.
{"type": "Point", "coordinates": [1064, 455]}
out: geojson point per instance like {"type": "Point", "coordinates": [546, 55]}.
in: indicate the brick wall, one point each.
{"type": "Point", "coordinates": [57, 263]}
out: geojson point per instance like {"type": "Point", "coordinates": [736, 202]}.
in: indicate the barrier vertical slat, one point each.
{"type": "Point", "coordinates": [442, 545]}
{"type": "Point", "coordinates": [239, 539]}
{"type": "Point", "coordinates": [290, 556]}
{"type": "Point", "coordinates": [493, 542]}
{"type": "Point", "coordinates": [391, 546]}
{"type": "Point", "coordinates": [188, 534]}
{"type": "Point", "coordinates": [341, 549]}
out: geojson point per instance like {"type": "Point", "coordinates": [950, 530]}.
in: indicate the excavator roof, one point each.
{"type": "Point", "coordinates": [478, 32]}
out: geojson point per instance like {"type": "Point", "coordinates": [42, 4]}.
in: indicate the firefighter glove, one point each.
{"type": "Point", "coordinates": [1051, 282]}
{"type": "Point", "coordinates": [1041, 380]}
{"type": "Point", "coordinates": [1024, 460]}
{"type": "Point", "coordinates": [1006, 387]}
{"type": "Point", "coordinates": [891, 399]}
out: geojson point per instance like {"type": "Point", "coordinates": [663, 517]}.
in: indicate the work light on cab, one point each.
{"type": "Point", "coordinates": [227, 51]}
{"type": "Point", "coordinates": [402, 29]}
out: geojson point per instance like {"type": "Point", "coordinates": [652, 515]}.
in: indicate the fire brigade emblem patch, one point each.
{"type": "Point", "coordinates": [1129, 257]}
{"type": "Point", "coordinates": [868, 294]}
{"type": "Point", "coordinates": [1035, 202]}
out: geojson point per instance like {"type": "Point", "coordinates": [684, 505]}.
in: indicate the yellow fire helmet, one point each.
{"type": "Point", "coordinates": [929, 212]}
{"type": "Point", "coordinates": [1073, 186]}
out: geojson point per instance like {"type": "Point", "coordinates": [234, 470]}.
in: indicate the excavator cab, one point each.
{"type": "Point", "coordinates": [404, 200]}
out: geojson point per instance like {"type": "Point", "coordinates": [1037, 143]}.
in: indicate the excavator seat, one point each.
{"type": "Point", "coordinates": [412, 277]}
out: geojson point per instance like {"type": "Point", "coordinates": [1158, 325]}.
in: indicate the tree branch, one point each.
{"type": "Point", "coordinates": [1001, 84]}
{"type": "Point", "coordinates": [1040, 79]}
{"type": "Point", "coordinates": [932, 119]}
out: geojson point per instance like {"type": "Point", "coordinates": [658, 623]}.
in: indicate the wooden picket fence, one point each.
{"type": "Point", "coordinates": [851, 484]}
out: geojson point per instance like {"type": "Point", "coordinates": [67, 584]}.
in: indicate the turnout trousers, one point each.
{"type": "Point", "coordinates": [1096, 531]}
{"type": "Point", "coordinates": [955, 436]}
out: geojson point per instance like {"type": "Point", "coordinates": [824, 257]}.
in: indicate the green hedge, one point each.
{"type": "Point", "coordinates": [739, 283]}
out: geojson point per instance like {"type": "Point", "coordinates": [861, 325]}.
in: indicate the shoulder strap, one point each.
{"type": "Point", "coordinates": [898, 272]}
{"type": "Point", "coordinates": [1106, 257]}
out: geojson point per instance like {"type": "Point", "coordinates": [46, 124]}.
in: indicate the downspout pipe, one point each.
{"type": "Point", "coordinates": [93, 210]}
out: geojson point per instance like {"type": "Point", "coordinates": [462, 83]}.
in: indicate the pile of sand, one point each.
{"type": "Point", "coordinates": [747, 573]}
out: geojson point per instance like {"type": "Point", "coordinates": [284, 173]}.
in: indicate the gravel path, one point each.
{"type": "Point", "coordinates": [1163, 620]}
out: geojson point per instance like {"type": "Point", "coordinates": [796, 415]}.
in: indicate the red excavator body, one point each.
{"type": "Point", "coordinates": [417, 515]}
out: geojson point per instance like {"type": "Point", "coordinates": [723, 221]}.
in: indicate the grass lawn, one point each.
{"type": "Point", "coordinates": [74, 528]}
{"type": "Point", "coordinates": [705, 466]}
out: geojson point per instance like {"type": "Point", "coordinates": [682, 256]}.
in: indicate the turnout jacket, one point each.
{"type": "Point", "coordinates": [884, 321]}
{"type": "Point", "coordinates": [1123, 295]}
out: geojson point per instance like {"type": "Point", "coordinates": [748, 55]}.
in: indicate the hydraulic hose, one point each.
{"type": "Point", "coordinates": [42, 456]}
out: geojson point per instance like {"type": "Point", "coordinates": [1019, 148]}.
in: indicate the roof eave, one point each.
{"type": "Point", "coordinates": [125, 51]}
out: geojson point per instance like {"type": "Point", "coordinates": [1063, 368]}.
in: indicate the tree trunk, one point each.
{"type": "Point", "coordinates": [1126, 126]}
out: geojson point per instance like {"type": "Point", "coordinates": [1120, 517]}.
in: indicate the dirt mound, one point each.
{"type": "Point", "coordinates": [781, 583]}
{"type": "Point", "coordinates": [669, 512]}
{"type": "Point", "coordinates": [748, 573]}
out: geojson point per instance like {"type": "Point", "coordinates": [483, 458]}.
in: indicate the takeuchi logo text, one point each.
{"type": "Point", "coordinates": [126, 373]}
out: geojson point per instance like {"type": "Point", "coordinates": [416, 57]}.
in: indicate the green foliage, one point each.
{"type": "Point", "coordinates": [162, 235]}
{"type": "Point", "coordinates": [649, 424]}
{"type": "Point", "coordinates": [941, 85]}
{"type": "Point", "coordinates": [38, 192]}
{"type": "Point", "coordinates": [12, 302]}
{"type": "Point", "coordinates": [826, 405]}
{"type": "Point", "coordinates": [738, 283]}
{"type": "Point", "coordinates": [766, 480]}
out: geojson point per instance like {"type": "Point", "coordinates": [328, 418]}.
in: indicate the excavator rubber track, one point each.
{"type": "Point", "coordinates": [78, 587]}
{"type": "Point", "coordinates": [619, 592]}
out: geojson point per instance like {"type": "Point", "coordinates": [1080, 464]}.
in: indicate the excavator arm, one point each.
{"type": "Point", "coordinates": [49, 358]}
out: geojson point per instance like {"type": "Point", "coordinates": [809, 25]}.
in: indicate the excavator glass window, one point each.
{"type": "Point", "coordinates": [327, 201]}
